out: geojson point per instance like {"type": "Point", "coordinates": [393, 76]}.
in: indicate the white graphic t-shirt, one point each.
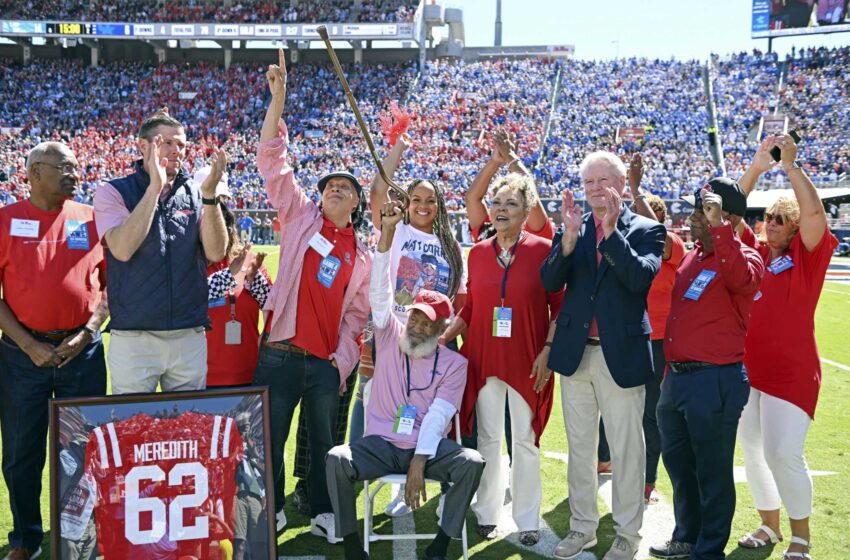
{"type": "Point", "coordinates": [417, 264]}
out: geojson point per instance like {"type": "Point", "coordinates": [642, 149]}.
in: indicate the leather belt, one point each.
{"type": "Point", "coordinates": [688, 367]}
{"type": "Point", "coordinates": [55, 336]}
{"type": "Point", "coordinates": [594, 342]}
{"type": "Point", "coordinates": [285, 347]}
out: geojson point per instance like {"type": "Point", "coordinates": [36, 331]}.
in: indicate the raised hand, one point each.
{"type": "Point", "coordinates": [156, 163]}
{"type": "Point", "coordinates": [787, 150]}
{"type": "Point", "coordinates": [218, 163]}
{"type": "Point", "coordinates": [276, 76]}
{"type": "Point", "coordinates": [254, 264]}
{"type": "Point", "coordinates": [712, 206]}
{"type": "Point", "coordinates": [613, 207]}
{"type": "Point", "coordinates": [391, 214]}
{"type": "Point", "coordinates": [405, 142]}
{"type": "Point", "coordinates": [635, 173]}
{"type": "Point", "coordinates": [763, 161]}
{"type": "Point", "coordinates": [503, 146]}
{"type": "Point", "coordinates": [239, 260]}
{"type": "Point", "coordinates": [571, 213]}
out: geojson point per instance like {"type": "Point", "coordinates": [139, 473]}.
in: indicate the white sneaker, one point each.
{"type": "Point", "coordinates": [397, 507]}
{"type": "Point", "coordinates": [440, 508]}
{"type": "Point", "coordinates": [323, 525]}
{"type": "Point", "coordinates": [281, 521]}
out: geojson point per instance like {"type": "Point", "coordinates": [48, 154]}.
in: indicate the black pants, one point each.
{"type": "Point", "coordinates": [698, 415]}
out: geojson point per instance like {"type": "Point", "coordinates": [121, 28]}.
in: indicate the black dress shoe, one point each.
{"type": "Point", "coordinates": [427, 557]}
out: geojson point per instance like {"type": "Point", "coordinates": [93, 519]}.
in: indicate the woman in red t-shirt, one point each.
{"type": "Point", "coordinates": [238, 287]}
{"type": "Point", "coordinates": [509, 320]}
{"type": "Point", "coordinates": [781, 354]}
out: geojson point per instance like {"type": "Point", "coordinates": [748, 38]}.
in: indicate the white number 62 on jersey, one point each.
{"type": "Point", "coordinates": [177, 531]}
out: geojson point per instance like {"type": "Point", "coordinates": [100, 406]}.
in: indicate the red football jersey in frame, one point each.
{"type": "Point", "coordinates": [157, 479]}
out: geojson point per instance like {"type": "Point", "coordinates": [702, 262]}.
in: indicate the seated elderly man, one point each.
{"type": "Point", "coordinates": [416, 390]}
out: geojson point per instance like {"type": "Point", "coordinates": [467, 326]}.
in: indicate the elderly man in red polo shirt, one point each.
{"type": "Point", "coordinates": [319, 306]}
{"type": "Point", "coordinates": [706, 386]}
{"type": "Point", "coordinates": [52, 274]}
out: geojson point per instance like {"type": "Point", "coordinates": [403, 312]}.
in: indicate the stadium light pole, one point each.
{"type": "Point", "coordinates": [498, 41]}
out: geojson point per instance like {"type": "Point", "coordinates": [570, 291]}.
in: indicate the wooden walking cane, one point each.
{"type": "Point", "coordinates": [400, 192]}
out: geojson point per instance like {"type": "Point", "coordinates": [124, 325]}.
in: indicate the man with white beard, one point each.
{"type": "Point", "coordinates": [416, 390]}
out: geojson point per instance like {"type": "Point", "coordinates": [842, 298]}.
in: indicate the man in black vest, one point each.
{"type": "Point", "coordinates": [159, 231]}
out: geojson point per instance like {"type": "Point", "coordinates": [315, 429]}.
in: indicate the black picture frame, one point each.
{"type": "Point", "coordinates": [77, 471]}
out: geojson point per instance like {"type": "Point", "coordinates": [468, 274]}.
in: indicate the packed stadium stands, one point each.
{"type": "Point", "coordinates": [98, 110]}
{"type": "Point", "coordinates": [236, 11]}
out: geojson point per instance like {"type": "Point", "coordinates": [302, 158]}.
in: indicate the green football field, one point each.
{"type": "Point", "coordinates": [827, 452]}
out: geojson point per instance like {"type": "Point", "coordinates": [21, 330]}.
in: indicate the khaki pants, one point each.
{"type": "Point", "coordinates": [141, 360]}
{"type": "Point", "coordinates": [586, 393]}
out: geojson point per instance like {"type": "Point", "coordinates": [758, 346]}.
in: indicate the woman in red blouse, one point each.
{"type": "Point", "coordinates": [781, 354]}
{"type": "Point", "coordinates": [508, 320]}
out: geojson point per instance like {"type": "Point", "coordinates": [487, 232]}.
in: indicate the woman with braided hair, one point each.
{"type": "Point", "coordinates": [425, 254]}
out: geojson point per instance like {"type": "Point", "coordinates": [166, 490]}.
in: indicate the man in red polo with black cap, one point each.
{"type": "Point", "coordinates": [416, 390]}
{"type": "Point", "coordinates": [706, 387]}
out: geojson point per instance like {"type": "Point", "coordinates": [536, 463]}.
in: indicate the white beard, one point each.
{"type": "Point", "coordinates": [417, 351]}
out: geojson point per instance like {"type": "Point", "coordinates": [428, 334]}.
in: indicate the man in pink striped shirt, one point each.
{"type": "Point", "coordinates": [319, 306]}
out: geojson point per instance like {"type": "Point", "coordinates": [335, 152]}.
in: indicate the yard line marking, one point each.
{"type": "Point", "coordinates": [741, 475]}
{"type": "Point", "coordinates": [836, 292]}
{"type": "Point", "coordinates": [835, 364]}
{"type": "Point", "coordinates": [404, 549]}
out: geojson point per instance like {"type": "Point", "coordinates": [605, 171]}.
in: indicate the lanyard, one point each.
{"type": "Point", "coordinates": [433, 373]}
{"type": "Point", "coordinates": [232, 305]}
{"type": "Point", "coordinates": [506, 266]}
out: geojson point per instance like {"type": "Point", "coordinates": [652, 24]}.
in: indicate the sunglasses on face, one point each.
{"type": "Point", "coordinates": [768, 217]}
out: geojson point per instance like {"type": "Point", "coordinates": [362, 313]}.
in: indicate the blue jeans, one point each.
{"type": "Point", "coordinates": [698, 415]}
{"type": "Point", "coordinates": [290, 379]}
{"type": "Point", "coordinates": [25, 391]}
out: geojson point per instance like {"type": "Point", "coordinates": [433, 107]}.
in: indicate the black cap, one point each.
{"type": "Point", "coordinates": [734, 199]}
{"type": "Point", "coordinates": [343, 174]}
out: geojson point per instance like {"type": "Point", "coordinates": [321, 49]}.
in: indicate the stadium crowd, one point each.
{"type": "Point", "coordinates": [238, 11]}
{"type": "Point", "coordinates": [454, 106]}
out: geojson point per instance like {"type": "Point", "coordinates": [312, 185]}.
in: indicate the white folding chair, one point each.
{"type": "Point", "coordinates": [369, 502]}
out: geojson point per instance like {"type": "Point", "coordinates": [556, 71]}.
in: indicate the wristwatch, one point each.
{"type": "Point", "coordinates": [209, 201]}
{"type": "Point", "coordinates": [89, 330]}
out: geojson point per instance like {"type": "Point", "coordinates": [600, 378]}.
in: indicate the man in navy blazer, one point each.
{"type": "Point", "coordinates": [607, 259]}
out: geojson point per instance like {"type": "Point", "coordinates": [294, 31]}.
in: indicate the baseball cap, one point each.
{"type": "Point", "coordinates": [343, 174]}
{"type": "Point", "coordinates": [734, 199]}
{"type": "Point", "coordinates": [433, 304]}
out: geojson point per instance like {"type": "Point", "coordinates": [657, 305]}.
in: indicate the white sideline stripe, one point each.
{"type": "Point", "coordinates": [741, 474]}
{"type": "Point", "coordinates": [404, 549]}
{"type": "Point", "coordinates": [835, 364]}
{"type": "Point", "coordinates": [836, 292]}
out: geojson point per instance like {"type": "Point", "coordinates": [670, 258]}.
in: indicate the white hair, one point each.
{"type": "Point", "coordinates": [44, 148]}
{"type": "Point", "coordinates": [614, 162]}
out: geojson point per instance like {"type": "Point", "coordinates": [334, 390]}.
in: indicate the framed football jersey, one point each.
{"type": "Point", "coordinates": [162, 476]}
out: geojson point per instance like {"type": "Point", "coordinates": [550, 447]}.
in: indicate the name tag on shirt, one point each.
{"type": "Point", "coordinates": [699, 284]}
{"type": "Point", "coordinates": [502, 317]}
{"type": "Point", "coordinates": [404, 420]}
{"type": "Point", "coordinates": [233, 332]}
{"type": "Point", "coordinates": [328, 269]}
{"type": "Point", "coordinates": [781, 264]}
{"type": "Point", "coordinates": [24, 228]}
{"type": "Point", "coordinates": [77, 234]}
{"type": "Point", "coordinates": [321, 245]}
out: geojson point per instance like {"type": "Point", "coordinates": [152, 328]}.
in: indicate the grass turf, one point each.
{"type": "Point", "coordinates": [827, 449]}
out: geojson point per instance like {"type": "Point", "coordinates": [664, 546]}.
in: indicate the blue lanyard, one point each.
{"type": "Point", "coordinates": [506, 266]}
{"type": "Point", "coordinates": [433, 373]}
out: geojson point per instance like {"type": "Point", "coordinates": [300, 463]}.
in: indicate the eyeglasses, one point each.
{"type": "Point", "coordinates": [65, 168]}
{"type": "Point", "coordinates": [768, 217]}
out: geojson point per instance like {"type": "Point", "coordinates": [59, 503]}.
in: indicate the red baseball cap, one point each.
{"type": "Point", "coordinates": [433, 304]}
